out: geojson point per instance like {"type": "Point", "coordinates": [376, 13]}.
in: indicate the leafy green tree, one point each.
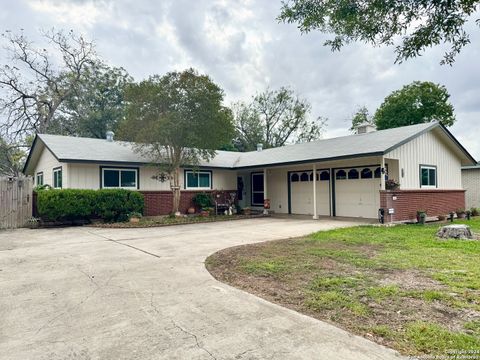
{"type": "Point", "coordinates": [416, 103]}
{"type": "Point", "coordinates": [12, 157]}
{"type": "Point", "coordinates": [274, 118]}
{"type": "Point", "coordinates": [421, 23]}
{"type": "Point", "coordinates": [177, 120]}
{"type": "Point", "coordinates": [97, 104]}
{"type": "Point", "coordinates": [360, 117]}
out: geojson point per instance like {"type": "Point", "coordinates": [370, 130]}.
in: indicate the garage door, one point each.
{"type": "Point", "coordinates": [301, 192]}
{"type": "Point", "coordinates": [357, 192]}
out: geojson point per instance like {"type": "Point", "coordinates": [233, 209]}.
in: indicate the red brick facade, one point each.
{"type": "Point", "coordinates": [406, 203]}
{"type": "Point", "coordinates": [161, 202]}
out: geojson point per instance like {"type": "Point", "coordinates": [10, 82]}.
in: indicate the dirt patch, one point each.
{"type": "Point", "coordinates": [410, 280]}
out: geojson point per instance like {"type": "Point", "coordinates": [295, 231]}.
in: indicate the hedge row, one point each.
{"type": "Point", "coordinates": [72, 204]}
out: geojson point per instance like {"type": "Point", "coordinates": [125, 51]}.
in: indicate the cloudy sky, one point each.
{"type": "Point", "coordinates": [245, 50]}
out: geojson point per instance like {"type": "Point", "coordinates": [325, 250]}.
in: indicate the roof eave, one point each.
{"type": "Point", "coordinates": [307, 161]}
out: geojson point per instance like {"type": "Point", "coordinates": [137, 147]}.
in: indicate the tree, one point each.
{"type": "Point", "coordinates": [416, 103]}
{"type": "Point", "coordinates": [11, 158]}
{"type": "Point", "coordinates": [420, 23]}
{"type": "Point", "coordinates": [37, 81]}
{"type": "Point", "coordinates": [96, 105]}
{"type": "Point", "coordinates": [361, 117]}
{"type": "Point", "coordinates": [177, 120]}
{"type": "Point", "coordinates": [274, 118]}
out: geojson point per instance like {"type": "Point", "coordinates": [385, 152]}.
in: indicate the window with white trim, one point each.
{"type": "Point", "coordinates": [198, 180]}
{"type": "Point", "coordinates": [57, 178]}
{"type": "Point", "coordinates": [39, 178]}
{"type": "Point", "coordinates": [113, 178]}
{"type": "Point", "coordinates": [428, 176]}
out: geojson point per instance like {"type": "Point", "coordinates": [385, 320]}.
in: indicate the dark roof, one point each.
{"type": "Point", "coordinates": [77, 149]}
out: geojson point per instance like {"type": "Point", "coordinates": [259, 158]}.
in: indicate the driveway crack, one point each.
{"type": "Point", "coordinates": [194, 337]}
{"type": "Point", "coordinates": [52, 320]}
{"type": "Point", "coordinates": [127, 245]}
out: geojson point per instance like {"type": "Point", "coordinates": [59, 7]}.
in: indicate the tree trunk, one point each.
{"type": "Point", "coordinates": [176, 190]}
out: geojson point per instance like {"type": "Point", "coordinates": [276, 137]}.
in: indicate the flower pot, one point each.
{"type": "Point", "coordinates": [191, 210]}
{"type": "Point", "coordinates": [204, 213]}
{"type": "Point", "coordinates": [134, 220]}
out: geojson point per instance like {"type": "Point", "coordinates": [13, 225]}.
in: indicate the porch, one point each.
{"type": "Point", "coordinates": [343, 188]}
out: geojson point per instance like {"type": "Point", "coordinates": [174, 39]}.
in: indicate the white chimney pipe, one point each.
{"type": "Point", "coordinates": [110, 135]}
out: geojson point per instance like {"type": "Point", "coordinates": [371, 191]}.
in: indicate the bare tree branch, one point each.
{"type": "Point", "coordinates": [35, 83]}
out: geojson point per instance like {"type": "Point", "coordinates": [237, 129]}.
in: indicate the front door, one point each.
{"type": "Point", "coordinates": [241, 192]}
{"type": "Point", "coordinates": [257, 190]}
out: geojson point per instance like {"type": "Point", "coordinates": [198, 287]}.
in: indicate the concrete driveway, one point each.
{"type": "Point", "coordinates": [88, 293]}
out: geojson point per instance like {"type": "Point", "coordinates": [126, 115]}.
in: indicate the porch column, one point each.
{"type": "Point", "coordinates": [382, 174]}
{"type": "Point", "coordinates": [314, 177]}
{"type": "Point", "coordinates": [265, 192]}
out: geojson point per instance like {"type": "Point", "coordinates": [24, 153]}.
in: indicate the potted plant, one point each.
{"type": "Point", "coordinates": [33, 222]}
{"type": "Point", "coordinates": [421, 216]}
{"type": "Point", "coordinates": [206, 211]}
{"type": "Point", "coordinates": [247, 211]}
{"type": "Point", "coordinates": [134, 217]}
{"type": "Point", "coordinates": [392, 184]}
{"type": "Point", "coordinates": [460, 213]}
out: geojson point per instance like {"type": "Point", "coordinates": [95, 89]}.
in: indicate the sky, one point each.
{"type": "Point", "coordinates": [245, 50]}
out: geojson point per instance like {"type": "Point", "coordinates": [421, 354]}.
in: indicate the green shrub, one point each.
{"type": "Point", "coordinates": [73, 204]}
{"type": "Point", "coordinates": [203, 200]}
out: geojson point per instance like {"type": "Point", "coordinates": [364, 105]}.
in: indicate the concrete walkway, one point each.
{"type": "Point", "coordinates": [88, 293]}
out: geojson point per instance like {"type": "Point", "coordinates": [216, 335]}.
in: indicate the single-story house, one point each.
{"type": "Point", "coordinates": [344, 176]}
{"type": "Point", "coordinates": [471, 184]}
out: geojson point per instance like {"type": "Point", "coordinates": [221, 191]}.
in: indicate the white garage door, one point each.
{"type": "Point", "coordinates": [357, 192]}
{"type": "Point", "coordinates": [301, 192]}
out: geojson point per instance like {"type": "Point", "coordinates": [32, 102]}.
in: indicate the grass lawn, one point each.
{"type": "Point", "coordinates": [398, 286]}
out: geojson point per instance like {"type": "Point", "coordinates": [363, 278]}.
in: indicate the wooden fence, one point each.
{"type": "Point", "coordinates": [15, 201]}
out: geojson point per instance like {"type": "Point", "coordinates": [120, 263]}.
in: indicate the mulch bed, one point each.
{"type": "Point", "coordinates": [169, 221]}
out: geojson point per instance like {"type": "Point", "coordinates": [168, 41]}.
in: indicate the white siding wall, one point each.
{"type": "Point", "coordinates": [471, 183]}
{"type": "Point", "coordinates": [46, 163]}
{"type": "Point", "coordinates": [427, 149]}
{"type": "Point", "coordinates": [87, 176]}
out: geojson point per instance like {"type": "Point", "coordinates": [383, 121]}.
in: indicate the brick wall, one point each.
{"type": "Point", "coordinates": [471, 183]}
{"type": "Point", "coordinates": [407, 202]}
{"type": "Point", "coordinates": [161, 202]}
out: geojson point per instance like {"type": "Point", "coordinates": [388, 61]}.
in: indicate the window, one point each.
{"type": "Point", "coordinates": [353, 174]}
{"type": "Point", "coordinates": [198, 180]}
{"type": "Point", "coordinates": [311, 177]}
{"type": "Point", "coordinates": [39, 178]}
{"type": "Point", "coordinates": [341, 175]}
{"type": "Point", "coordinates": [366, 173]}
{"type": "Point", "coordinates": [257, 189]}
{"type": "Point", "coordinates": [428, 176]}
{"type": "Point", "coordinates": [378, 173]}
{"type": "Point", "coordinates": [119, 178]}
{"type": "Point", "coordinates": [304, 177]}
{"type": "Point", "coordinates": [324, 176]}
{"type": "Point", "coordinates": [57, 178]}
{"type": "Point", "coordinates": [295, 178]}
